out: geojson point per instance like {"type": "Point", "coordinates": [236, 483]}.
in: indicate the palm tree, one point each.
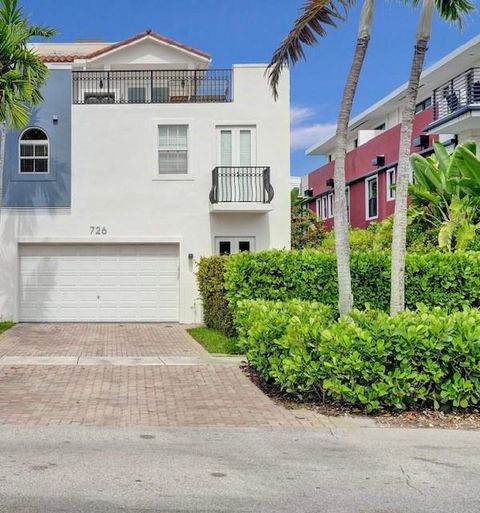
{"type": "Point", "coordinates": [316, 14]}
{"type": "Point", "coordinates": [450, 10]}
{"type": "Point", "coordinates": [22, 72]}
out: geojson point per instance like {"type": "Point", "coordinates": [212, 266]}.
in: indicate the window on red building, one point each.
{"type": "Point", "coordinates": [371, 197]}
{"type": "Point", "coordinates": [391, 180]}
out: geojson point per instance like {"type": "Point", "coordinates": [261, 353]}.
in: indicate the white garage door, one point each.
{"type": "Point", "coordinates": [103, 283]}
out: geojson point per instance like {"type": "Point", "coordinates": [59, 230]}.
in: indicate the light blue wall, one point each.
{"type": "Point", "coordinates": [52, 189]}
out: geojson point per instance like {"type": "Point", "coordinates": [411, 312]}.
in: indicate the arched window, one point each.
{"type": "Point", "coordinates": [34, 151]}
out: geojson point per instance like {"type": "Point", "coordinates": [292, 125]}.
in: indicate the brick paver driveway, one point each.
{"type": "Point", "coordinates": [173, 382]}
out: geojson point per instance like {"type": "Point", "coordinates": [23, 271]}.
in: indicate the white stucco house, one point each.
{"type": "Point", "coordinates": [141, 159]}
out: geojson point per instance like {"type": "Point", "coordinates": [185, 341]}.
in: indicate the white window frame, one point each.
{"type": "Point", "coordinates": [33, 143]}
{"type": "Point", "coordinates": [367, 182]}
{"type": "Point", "coordinates": [234, 243]}
{"type": "Point", "coordinates": [325, 206]}
{"type": "Point", "coordinates": [319, 209]}
{"type": "Point", "coordinates": [236, 129]}
{"type": "Point", "coordinates": [390, 192]}
{"type": "Point", "coordinates": [175, 176]}
{"type": "Point", "coordinates": [330, 200]}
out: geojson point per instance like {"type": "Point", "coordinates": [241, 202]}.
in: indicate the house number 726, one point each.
{"type": "Point", "coordinates": [98, 230]}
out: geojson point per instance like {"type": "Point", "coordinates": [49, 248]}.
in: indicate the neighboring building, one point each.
{"type": "Point", "coordinates": [141, 160]}
{"type": "Point", "coordinates": [448, 110]}
{"type": "Point", "coordinates": [295, 182]}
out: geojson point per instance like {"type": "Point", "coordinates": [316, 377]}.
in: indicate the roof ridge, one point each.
{"type": "Point", "coordinates": [109, 47]}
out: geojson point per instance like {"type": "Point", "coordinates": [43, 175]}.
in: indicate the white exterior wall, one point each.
{"type": "Point", "coordinates": [115, 184]}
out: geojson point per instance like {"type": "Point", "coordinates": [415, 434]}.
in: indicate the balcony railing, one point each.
{"type": "Point", "coordinates": [152, 86]}
{"type": "Point", "coordinates": [457, 94]}
{"type": "Point", "coordinates": [243, 184]}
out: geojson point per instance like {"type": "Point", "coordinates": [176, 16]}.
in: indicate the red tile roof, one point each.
{"type": "Point", "coordinates": [115, 46]}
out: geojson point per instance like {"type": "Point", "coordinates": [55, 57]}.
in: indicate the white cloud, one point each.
{"type": "Point", "coordinates": [301, 137]}
{"type": "Point", "coordinates": [300, 114]}
{"type": "Point", "coordinates": [303, 134]}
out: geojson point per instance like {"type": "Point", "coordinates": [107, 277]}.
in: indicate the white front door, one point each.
{"type": "Point", "coordinates": [99, 283]}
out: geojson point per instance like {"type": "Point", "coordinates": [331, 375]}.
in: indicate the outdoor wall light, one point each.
{"type": "Point", "coordinates": [190, 256]}
{"type": "Point", "coordinates": [55, 120]}
{"type": "Point", "coordinates": [421, 141]}
{"type": "Point", "coordinates": [379, 161]}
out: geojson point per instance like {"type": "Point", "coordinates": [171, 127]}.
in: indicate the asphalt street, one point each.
{"type": "Point", "coordinates": [135, 470]}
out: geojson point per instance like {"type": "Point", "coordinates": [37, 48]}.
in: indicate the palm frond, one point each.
{"type": "Point", "coordinates": [315, 17]}
{"type": "Point", "coordinates": [454, 10]}
{"type": "Point", "coordinates": [22, 72]}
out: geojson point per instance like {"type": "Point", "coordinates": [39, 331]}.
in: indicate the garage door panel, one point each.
{"type": "Point", "coordinates": [99, 283]}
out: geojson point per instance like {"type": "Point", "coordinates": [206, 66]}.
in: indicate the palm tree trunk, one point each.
{"type": "Point", "coordinates": [342, 243]}
{"type": "Point", "coordinates": [3, 135]}
{"type": "Point", "coordinates": [397, 297]}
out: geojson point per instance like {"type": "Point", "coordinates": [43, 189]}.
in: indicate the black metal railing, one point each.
{"type": "Point", "coordinates": [456, 94]}
{"type": "Point", "coordinates": [152, 86]}
{"type": "Point", "coordinates": [242, 184]}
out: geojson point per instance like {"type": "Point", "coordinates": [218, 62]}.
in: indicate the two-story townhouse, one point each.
{"type": "Point", "coordinates": [448, 110]}
{"type": "Point", "coordinates": [141, 159]}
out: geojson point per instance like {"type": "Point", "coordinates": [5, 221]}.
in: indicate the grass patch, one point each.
{"type": "Point", "coordinates": [4, 326]}
{"type": "Point", "coordinates": [214, 341]}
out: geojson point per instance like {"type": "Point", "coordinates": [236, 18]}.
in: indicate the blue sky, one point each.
{"type": "Point", "coordinates": [245, 31]}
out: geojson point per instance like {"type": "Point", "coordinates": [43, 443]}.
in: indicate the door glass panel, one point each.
{"type": "Point", "coordinates": [136, 95]}
{"type": "Point", "coordinates": [225, 247]}
{"type": "Point", "coordinates": [225, 147]}
{"type": "Point", "coordinates": [244, 245]}
{"type": "Point", "coordinates": [245, 148]}
{"type": "Point", "coordinates": [160, 94]}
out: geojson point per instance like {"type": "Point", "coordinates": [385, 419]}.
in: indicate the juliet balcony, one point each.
{"type": "Point", "coordinates": [456, 103]}
{"type": "Point", "coordinates": [152, 86]}
{"type": "Point", "coordinates": [241, 189]}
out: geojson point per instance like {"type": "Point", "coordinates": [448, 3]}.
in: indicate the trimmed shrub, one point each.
{"type": "Point", "coordinates": [216, 311]}
{"type": "Point", "coordinates": [426, 358]}
{"type": "Point", "coordinates": [276, 338]}
{"type": "Point", "coordinates": [448, 280]}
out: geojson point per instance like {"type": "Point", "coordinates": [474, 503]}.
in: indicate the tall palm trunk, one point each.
{"type": "Point", "coordinates": [3, 136]}
{"type": "Point", "coordinates": [397, 298]}
{"type": "Point", "coordinates": [342, 244]}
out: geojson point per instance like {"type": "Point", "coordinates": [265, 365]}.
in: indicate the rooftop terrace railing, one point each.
{"type": "Point", "coordinates": [152, 86]}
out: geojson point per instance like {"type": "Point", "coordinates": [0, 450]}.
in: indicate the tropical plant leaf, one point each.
{"type": "Point", "coordinates": [465, 232]}
{"type": "Point", "coordinates": [22, 72]}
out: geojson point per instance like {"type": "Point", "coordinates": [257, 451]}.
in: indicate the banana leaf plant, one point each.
{"type": "Point", "coordinates": [447, 192]}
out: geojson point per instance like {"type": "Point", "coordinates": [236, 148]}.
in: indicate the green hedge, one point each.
{"type": "Point", "coordinates": [447, 280]}
{"type": "Point", "coordinates": [426, 358]}
{"type": "Point", "coordinates": [216, 312]}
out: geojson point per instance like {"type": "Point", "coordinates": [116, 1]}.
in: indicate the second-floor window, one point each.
{"type": "Point", "coordinates": [34, 151]}
{"type": "Point", "coordinates": [391, 179]}
{"type": "Point", "coordinates": [172, 149]}
{"type": "Point", "coordinates": [371, 197]}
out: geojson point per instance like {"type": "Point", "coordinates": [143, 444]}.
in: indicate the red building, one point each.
{"type": "Point", "coordinates": [448, 110]}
